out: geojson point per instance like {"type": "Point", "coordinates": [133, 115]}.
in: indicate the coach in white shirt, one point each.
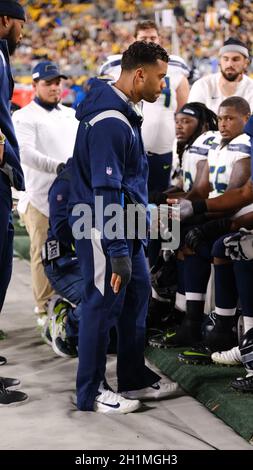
{"type": "Point", "coordinates": [46, 132]}
{"type": "Point", "coordinates": [230, 81]}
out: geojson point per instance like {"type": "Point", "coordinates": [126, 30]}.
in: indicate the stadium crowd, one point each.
{"type": "Point", "coordinates": [80, 36]}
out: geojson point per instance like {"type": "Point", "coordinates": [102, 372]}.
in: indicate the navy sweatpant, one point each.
{"type": "Point", "coordinates": [102, 309]}
{"type": "Point", "coordinates": [6, 236]}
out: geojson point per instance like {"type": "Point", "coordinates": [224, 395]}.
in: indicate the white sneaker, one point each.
{"type": "Point", "coordinates": [160, 389]}
{"type": "Point", "coordinates": [232, 357]}
{"type": "Point", "coordinates": [41, 321]}
{"type": "Point", "coordinates": [36, 310]}
{"type": "Point", "coordinates": [110, 402]}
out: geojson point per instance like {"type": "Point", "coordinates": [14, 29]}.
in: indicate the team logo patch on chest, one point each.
{"type": "Point", "coordinates": [59, 197]}
{"type": "Point", "coordinates": [108, 170]}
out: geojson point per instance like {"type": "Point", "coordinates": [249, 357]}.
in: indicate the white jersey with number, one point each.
{"type": "Point", "coordinates": [221, 161]}
{"type": "Point", "coordinates": [197, 152]}
{"type": "Point", "coordinates": [206, 90]}
{"type": "Point", "coordinates": [158, 128]}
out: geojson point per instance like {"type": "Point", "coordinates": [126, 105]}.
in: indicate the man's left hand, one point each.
{"type": "Point", "coordinates": [1, 154]}
{"type": "Point", "coordinates": [115, 283]}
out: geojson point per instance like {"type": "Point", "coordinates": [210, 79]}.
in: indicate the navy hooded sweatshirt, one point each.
{"type": "Point", "coordinates": [109, 157]}
{"type": "Point", "coordinates": [11, 161]}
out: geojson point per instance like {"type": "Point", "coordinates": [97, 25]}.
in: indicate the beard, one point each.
{"type": "Point", "coordinates": [12, 45]}
{"type": "Point", "coordinates": [226, 141]}
{"type": "Point", "coordinates": [230, 76]}
{"type": "Point", "coordinates": [11, 41]}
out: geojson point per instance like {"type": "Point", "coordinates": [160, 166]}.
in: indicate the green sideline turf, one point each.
{"type": "Point", "coordinates": [22, 246]}
{"type": "Point", "coordinates": [211, 386]}
{"type": "Point", "coordinates": [21, 239]}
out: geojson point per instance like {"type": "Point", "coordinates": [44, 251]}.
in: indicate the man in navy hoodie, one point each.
{"type": "Point", "coordinates": [110, 165]}
{"type": "Point", "coordinates": [12, 18]}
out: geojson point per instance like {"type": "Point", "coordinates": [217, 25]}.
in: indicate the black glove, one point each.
{"type": "Point", "coordinates": [123, 267]}
{"type": "Point", "coordinates": [194, 238]}
{"type": "Point", "coordinates": [157, 197]}
{"type": "Point", "coordinates": [60, 167]}
{"type": "Point", "coordinates": [210, 231]}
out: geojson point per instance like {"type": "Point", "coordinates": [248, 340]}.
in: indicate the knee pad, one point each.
{"type": "Point", "coordinates": [246, 350]}
{"type": "Point", "coordinates": [218, 249]}
{"type": "Point", "coordinates": [164, 279]}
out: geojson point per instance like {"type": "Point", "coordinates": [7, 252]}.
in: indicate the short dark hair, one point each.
{"type": "Point", "coordinates": [142, 53]}
{"type": "Point", "coordinates": [143, 25]}
{"type": "Point", "coordinates": [240, 104]}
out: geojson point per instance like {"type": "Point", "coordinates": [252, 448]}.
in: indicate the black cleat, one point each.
{"type": "Point", "coordinates": [243, 384]}
{"type": "Point", "coordinates": [10, 383]}
{"type": "Point", "coordinates": [163, 340]}
{"type": "Point", "coordinates": [11, 397]}
{"type": "Point", "coordinates": [3, 360]}
{"type": "Point", "coordinates": [199, 355]}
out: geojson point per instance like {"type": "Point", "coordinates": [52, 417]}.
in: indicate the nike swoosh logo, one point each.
{"type": "Point", "coordinates": [110, 406]}
{"type": "Point", "coordinates": [170, 335]}
{"type": "Point", "coordinates": [166, 167]}
{"type": "Point", "coordinates": [191, 353]}
{"type": "Point", "coordinates": [156, 386]}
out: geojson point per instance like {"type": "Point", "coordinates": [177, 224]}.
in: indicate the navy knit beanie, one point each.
{"type": "Point", "coordinates": [13, 9]}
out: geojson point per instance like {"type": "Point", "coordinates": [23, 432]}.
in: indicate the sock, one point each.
{"type": "Point", "coordinates": [196, 276]}
{"type": "Point", "coordinates": [180, 302]}
{"type": "Point", "coordinates": [243, 273]}
{"type": "Point", "coordinates": [225, 290]}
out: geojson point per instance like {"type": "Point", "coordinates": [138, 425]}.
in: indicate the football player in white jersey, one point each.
{"type": "Point", "coordinates": [212, 89]}
{"type": "Point", "coordinates": [228, 164]}
{"type": "Point", "coordinates": [195, 126]}
{"type": "Point", "coordinates": [195, 130]}
{"type": "Point", "coordinates": [158, 128]}
{"type": "Point", "coordinates": [233, 148]}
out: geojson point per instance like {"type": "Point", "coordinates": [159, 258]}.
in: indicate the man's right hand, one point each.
{"type": "Point", "coordinates": [186, 208]}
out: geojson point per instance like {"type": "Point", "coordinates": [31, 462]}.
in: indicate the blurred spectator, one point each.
{"type": "Point", "coordinates": [230, 81]}
{"type": "Point", "coordinates": [72, 93]}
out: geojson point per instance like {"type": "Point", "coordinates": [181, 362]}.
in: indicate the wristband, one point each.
{"type": "Point", "coordinates": [199, 207]}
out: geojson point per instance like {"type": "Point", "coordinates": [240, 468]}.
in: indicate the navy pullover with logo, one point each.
{"type": "Point", "coordinates": [109, 156]}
